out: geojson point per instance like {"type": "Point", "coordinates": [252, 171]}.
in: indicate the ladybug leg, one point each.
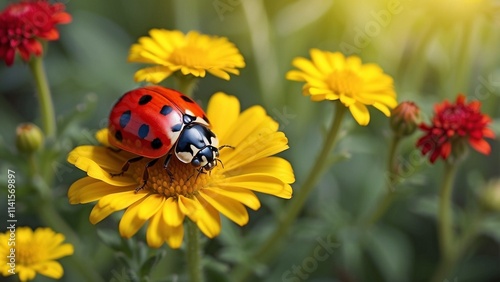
{"type": "Point", "coordinates": [145, 175]}
{"type": "Point", "coordinates": [165, 166]}
{"type": "Point", "coordinates": [126, 166]}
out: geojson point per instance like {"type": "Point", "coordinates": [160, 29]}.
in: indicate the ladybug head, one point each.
{"type": "Point", "coordinates": [206, 158]}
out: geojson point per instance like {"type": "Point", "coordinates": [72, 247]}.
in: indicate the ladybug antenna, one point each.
{"type": "Point", "coordinates": [226, 146]}
{"type": "Point", "coordinates": [200, 171]}
{"type": "Point", "coordinates": [221, 163]}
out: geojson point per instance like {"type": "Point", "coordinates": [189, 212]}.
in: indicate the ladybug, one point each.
{"type": "Point", "coordinates": [155, 121]}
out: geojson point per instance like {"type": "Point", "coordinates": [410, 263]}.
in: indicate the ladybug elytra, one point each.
{"type": "Point", "coordinates": [154, 121]}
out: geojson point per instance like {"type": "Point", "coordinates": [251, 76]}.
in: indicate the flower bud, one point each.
{"type": "Point", "coordinates": [405, 119]}
{"type": "Point", "coordinates": [29, 138]}
{"type": "Point", "coordinates": [490, 196]}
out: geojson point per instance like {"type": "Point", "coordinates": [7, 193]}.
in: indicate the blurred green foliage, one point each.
{"type": "Point", "coordinates": [432, 49]}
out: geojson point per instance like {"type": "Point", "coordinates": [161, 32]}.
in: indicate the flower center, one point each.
{"type": "Point", "coordinates": [28, 254]}
{"type": "Point", "coordinates": [186, 180]}
{"type": "Point", "coordinates": [190, 56]}
{"type": "Point", "coordinates": [345, 82]}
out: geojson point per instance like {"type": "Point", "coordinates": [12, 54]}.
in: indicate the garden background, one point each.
{"type": "Point", "coordinates": [433, 50]}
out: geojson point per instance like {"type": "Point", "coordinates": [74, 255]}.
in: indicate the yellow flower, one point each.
{"type": "Point", "coordinates": [331, 76]}
{"type": "Point", "coordinates": [226, 189]}
{"type": "Point", "coordinates": [34, 252]}
{"type": "Point", "coordinates": [193, 53]}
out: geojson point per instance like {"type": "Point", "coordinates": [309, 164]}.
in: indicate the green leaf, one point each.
{"type": "Point", "coordinates": [110, 238]}
{"type": "Point", "coordinates": [491, 227]}
{"type": "Point", "coordinates": [391, 252]}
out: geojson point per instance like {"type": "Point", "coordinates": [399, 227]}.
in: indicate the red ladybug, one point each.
{"type": "Point", "coordinates": [153, 121]}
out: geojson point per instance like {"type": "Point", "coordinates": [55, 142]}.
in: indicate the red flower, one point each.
{"type": "Point", "coordinates": [454, 124]}
{"type": "Point", "coordinates": [22, 24]}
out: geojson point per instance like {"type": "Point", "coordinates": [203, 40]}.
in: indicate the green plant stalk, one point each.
{"type": "Point", "coordinates": [446, 265]}
{"type": "Point", "coordinates": [445, 222]}
{"type": "Point", "coordinates": [186, 84]}
{"type": "Point", "coordinates": [269, 247]}
{"type": "Point", "coordinates": [392, 178]}
{"type": "Point", "coordinates": [193, 252]}
{"type": "Point", "coordinates": [44, 96]}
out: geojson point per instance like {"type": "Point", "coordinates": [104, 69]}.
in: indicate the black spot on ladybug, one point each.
{"type": "Point", "coordinates": [187, 99]}
{"type": "Point", "coordinates": [177, 127]}
{"type": "Point", "coordinates": [145, 99]}
{"type": "Point", "coordinates": [165, 110]}
{"type": "Point", "coordinates": [156, 143]}
{"type": "Point", "coordinates": [143, 131]}
{"type": "Point", "coordinates": [125, 118]}
{"type": "Point", "coordinates": [118, 135]}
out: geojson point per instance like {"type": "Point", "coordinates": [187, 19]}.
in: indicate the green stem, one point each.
{"type": "Point", "coordinates": [193, 252]}
{"type": "Point", "coordinates": [445, 213]}
{"type": "Point", "coordinates": [269, 247]}
{"type": "Point", "coordinates": [186, 84]}
{"type": "Point", "coordinates": [43, 91]}
{"type": "Point", "coordinates": [392, 178]}
{"type": "Point", "coordinates": [447, 264]}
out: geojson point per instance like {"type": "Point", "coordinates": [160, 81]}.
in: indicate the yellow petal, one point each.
{"type": "Point", "coordinates": [61, 251]}
{"type": "Point", "coordinates": [88, 189]}
{"type": "Point", "coordinates": [154, 232]}
{"type": "Point", "coordinates": [263, 184]}
{"type": "Point", "coordinates": [208, 219]}
{"type": "Point", "coordinates": [95, 171]}
{"type": "Point", "coordinates": [154, 74]}
{"type": "Point", "coordinates": [174, 235]}
{"type": "Point", "coordinates": [360, 113]}
{"type": "Point", "coordinates": [264, 146]}
{"type": "Point", "coordinates": [337, 60]}
{"type": "Point", "coordinates": [172, 213]}
{"type": "Point", "coordinates": [151, 46]}
{"type": "Point", "coordinates": [223, 110]}
{"type": "Point", "coordinates": [383, 108]}
{"type": "Point", "coordinates": [102, 156]}
{"type": "Point", "coordinates": [25, 273]}
{"type": "Point", "coordinates": [245, 196]}
{"type": "Point", "coordinates": [271, 166]}
{"type": "Point", "coordinates": [296, 75]}
{"type": "Point", "coordinates": [187, 207]}
{"type": "Point", "coordinates": [150, 205]}
{"type": "Point", "coordinates": [219, 73]}
{"type": "Point", "coordinates": [102, 137]}
{"type": "Point", "coordinates": [51, 269]}
{"type": "Point", "coordinates": [307, 67]}
{"type": "Point", "coordinates": [114, 202]}
{"type": "Point", "coordinates": [158, 233]}
{"type": "Point", "coordinates": [321, 61]}
{"type": "Point", "coordinates": [252, 121]}
{"type": "Point", "coordinates": [138, 213]}
{"type": "Point", "coordinates": [232, 209]}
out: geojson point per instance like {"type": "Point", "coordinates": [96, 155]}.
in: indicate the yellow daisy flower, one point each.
{"type": "Point", "coordinates": [331, 76]}
{"type": "Point", "coordinates": [226, 189]}
{"type": "Point", "coordinates": [35, 252]}
{"type": "Point", "coordinates": [193, 53]}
